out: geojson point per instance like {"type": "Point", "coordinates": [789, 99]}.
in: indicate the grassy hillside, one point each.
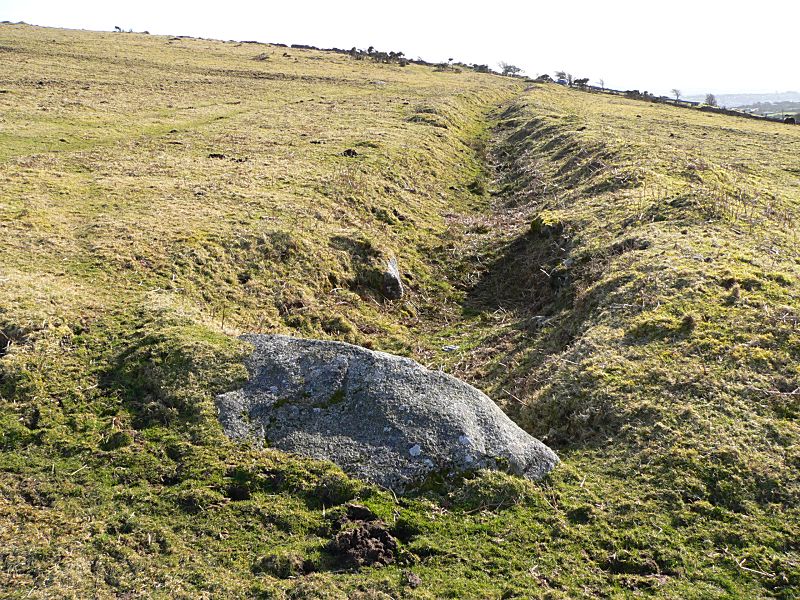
{"type": "Point", "coordinates": [622, 277]}
{"type": "Point", "coordinates": [647, 281]}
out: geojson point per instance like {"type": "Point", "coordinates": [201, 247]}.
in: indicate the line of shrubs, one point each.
{"type": "Point", "coordinates": [392, 57]}
{"type": "Point", "coordinates": [583, 84]}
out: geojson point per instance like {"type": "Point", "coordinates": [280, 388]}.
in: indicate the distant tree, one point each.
{"type": "Point", "coordinates": [117, 28]}
{"type": "Point", "coordinates": [564, 76]}
{"type": "Point", "coordinates": [371, 49]}
{"type": "Point", "coordinates": [677, 93]}
{"type": "Point", "coordinates": [509, 70]}
{"type": "Point", "coordinates": [582, 82]}
{"type": "Point", "coordinates": [601, 83]}
{"type": "Point", "coordinates": [711, 100]}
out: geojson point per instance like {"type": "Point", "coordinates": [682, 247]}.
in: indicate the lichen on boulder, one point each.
{"type": "Point", "coordinates": [382, 418]}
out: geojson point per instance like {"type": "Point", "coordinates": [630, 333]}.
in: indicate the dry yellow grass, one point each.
{"type": "Point", "coordinates": [136, 163]}
{"type": "Point", "coordinates": [622, 276]}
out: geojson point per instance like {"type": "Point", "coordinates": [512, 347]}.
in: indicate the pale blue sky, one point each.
{"type": "Point", "coordinates": [697, 46]}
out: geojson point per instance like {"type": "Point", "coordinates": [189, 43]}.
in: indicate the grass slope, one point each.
{"type": "Point", "coordinates": [622, 276]}
{"type": "Point", "coordinates": [642, 311]}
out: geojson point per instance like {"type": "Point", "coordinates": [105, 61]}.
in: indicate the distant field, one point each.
{"type": "Point", "coordinates": [775, 110]}
{"type": "Point", "coordinates": [622, 277]}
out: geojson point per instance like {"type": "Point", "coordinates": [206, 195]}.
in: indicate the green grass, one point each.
{"type": "Point", "coordinates": [620, 276]}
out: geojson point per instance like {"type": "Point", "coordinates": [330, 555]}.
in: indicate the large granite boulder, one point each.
{"type": "Point", "coordinates": [382, 418]}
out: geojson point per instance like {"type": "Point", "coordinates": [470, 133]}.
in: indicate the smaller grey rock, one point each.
{"type": "Point", "coordinates": [450, 348]}
{"type": "Point", "coordinates": [539, 321]}
{"type": "Point", "coordinates": [415, 450]}
{"type": "Point", "coordinates": [412, 580]}
{"type": "Point", "coordinates": [392, 284]}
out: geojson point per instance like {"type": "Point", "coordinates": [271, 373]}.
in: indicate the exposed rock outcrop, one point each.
{"type": "Point", "coordinates": [392, 283]}
{"type": "Point", "coordinates": [382, 418]}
